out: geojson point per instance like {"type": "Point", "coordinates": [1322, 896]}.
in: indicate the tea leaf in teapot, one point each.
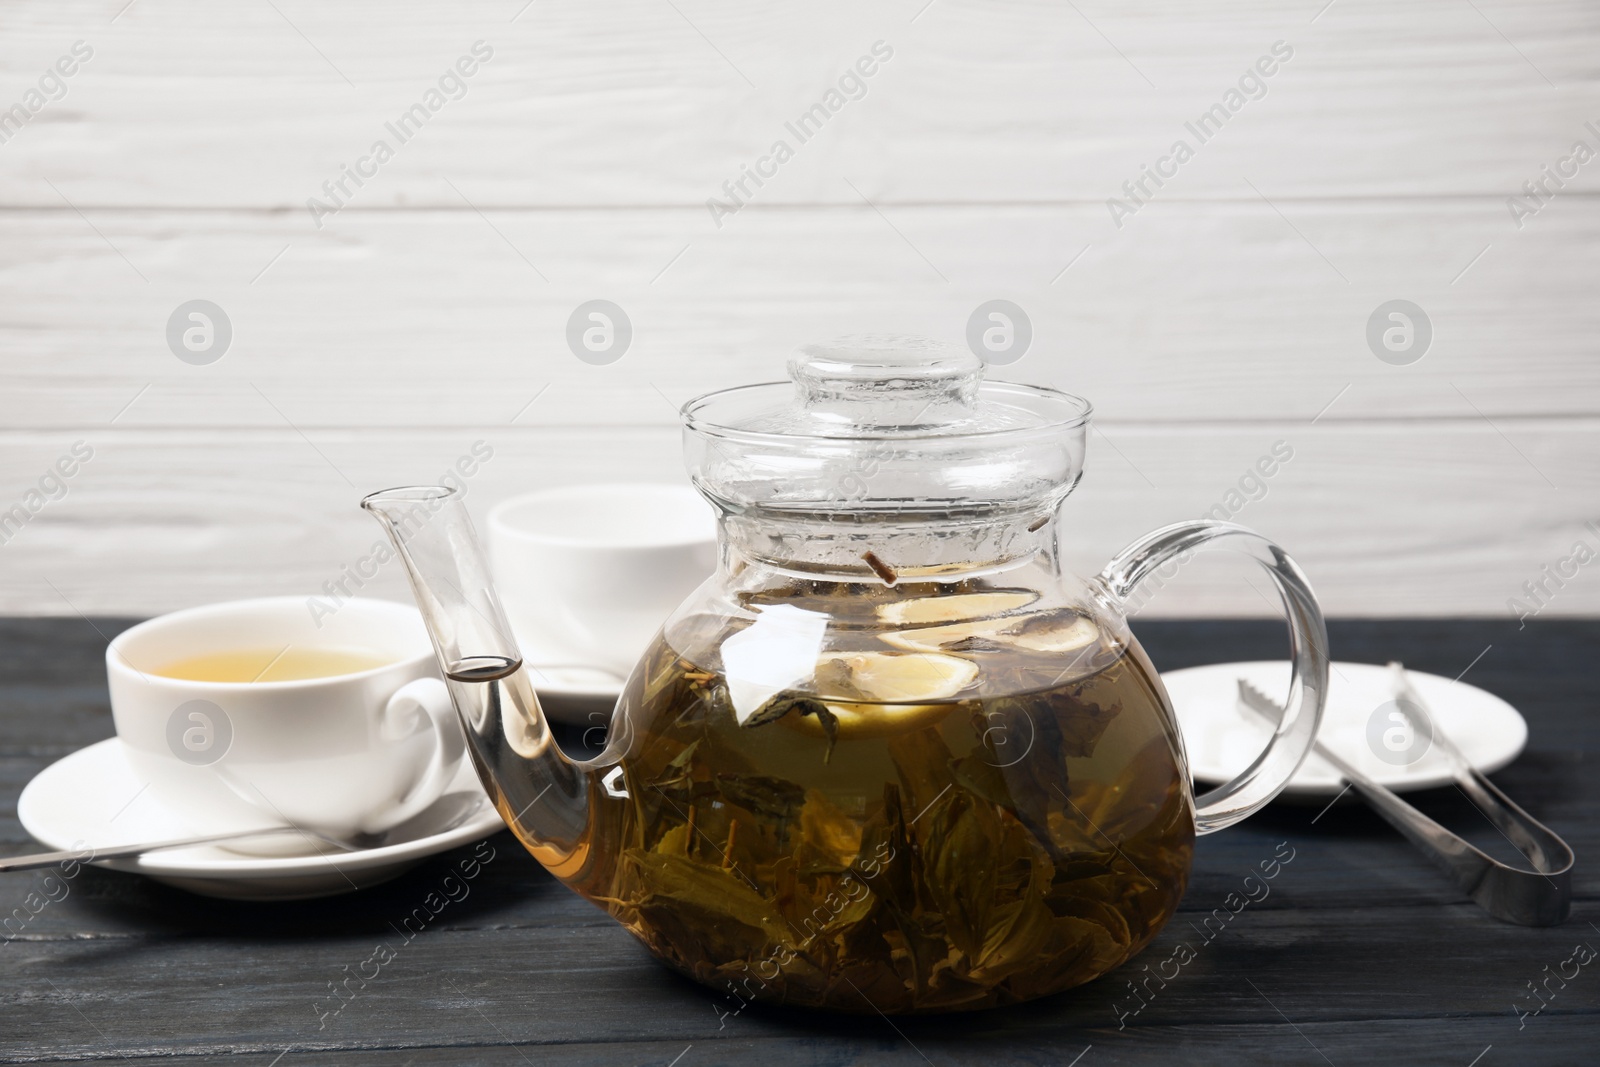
{"type": "Point", "coordinates": [982, 778]}
{"type": "Point", "coordinates": [886, 851]}
{"type": "Point", "coordinates": [828, 912]}
{"type": "Point", "coordinates": [830, 726]}
{"type": "Point", "coordinates": [839, 601]}
{"type": "Point", "coordinates": [829, 839]}
{"type": "Point", "coordinates": [676, 770]}
{"type": "Point", "coordinates": [668, 794]}
{"type": "Point", "coordinates": [1136, 803]}
{"type": "Point", "coordinates": [913, 951]}
{"type": "Point", "coordinates": [1062, 729]}
{"type": "Point", "coordinates": [1014, 789]}
{"type": "Point", "coordinates": [922, 760]}
{"type": "Point", "coordinates": [861, 984]}
{"type": "Point", "coordinates": [1098, 900]}
{"type": "Point", "coordinates": [1058, 631]}
{"type": "Point", "coordinates": [1014, 936]}
{"type": "Point", "coordinates": [676, 841]}
{"type": "Point", "coordinates": [782, 704]}
{"type": "Point", "coordinates": [787, 701]}
{"type": "Point", "coordinates": [960, 845]}
{"type": "Point", "coordinates": [975, 644]}
{"type": "Point", "coordinates": [672, 894]}
{"type": "Point", "coordinates": [770, 798]}
{"type": "Point", "coordinates": [660, 676]}
{"type": "Point", "coordinates": [1020, 765]}
{"type": "Point", "coordinates": [1073, 946]}
{"type": "Point", "coordinates": [1082, 730]}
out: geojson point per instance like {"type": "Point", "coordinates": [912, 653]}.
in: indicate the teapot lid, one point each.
{"type": "Point", "coordinates": [880, 385]}
{"type": "Point", "coordinates": [889, 422]}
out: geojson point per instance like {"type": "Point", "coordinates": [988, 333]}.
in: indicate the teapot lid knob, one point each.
{"type": "Point", "coordinates": [884, 381]}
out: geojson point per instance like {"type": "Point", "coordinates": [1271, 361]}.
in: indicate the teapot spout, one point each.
{"type": "Point", "coordinates": [542, 795]}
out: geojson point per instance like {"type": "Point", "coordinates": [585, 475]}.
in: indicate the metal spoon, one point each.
{"type": "Point", "coordinates": [1538, 897]}
{"type": "Point", "coordinates": [50, 859]}
{"type": "Point", "coordinates": [447, 813]}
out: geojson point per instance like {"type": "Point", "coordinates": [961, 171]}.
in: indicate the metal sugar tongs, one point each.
{"type": "Point", "coordinates": [1538, 897]}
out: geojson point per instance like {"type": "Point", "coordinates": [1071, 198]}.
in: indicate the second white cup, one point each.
{"type": "Point", "coordinates": [589, 573]}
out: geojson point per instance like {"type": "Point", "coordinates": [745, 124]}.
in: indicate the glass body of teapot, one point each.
{"type": "Point", "coordinates": [891, 757]}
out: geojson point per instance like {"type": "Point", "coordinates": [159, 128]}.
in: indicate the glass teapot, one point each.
{"type": "Point", "coordinates": [890, 757]}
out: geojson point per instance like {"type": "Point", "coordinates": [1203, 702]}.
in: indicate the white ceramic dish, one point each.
{"type": "Point", "coordinates": [355, 752]}
{"type": "Point", "coordinates": [1222, 738]}
{"type": "Point", "coordinates": [92, 798]}
{"type": "Point", "coordinates": [591, 571]}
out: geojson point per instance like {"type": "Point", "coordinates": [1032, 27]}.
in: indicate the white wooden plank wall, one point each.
{"type": "Point", "coordinates": [1228, 313]}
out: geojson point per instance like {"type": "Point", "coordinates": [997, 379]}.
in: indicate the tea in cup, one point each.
{"type": "Point", "coordinates": [255, 713]}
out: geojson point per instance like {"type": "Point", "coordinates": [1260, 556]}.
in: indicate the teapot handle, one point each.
{"type": "Point", "coordinates": [1308, 644]}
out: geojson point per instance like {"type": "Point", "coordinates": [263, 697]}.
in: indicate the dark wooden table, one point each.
{"type": "Point", "coordinates": [1361, 953]}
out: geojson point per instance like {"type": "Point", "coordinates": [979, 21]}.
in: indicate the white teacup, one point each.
{"type": "Point", "coordinates": [345, 754]}
{"type": "Point", "coordinates": [588, 574]}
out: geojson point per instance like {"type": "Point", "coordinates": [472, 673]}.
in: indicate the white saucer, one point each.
{"type": "Point", "coordinates": [92, 798]}
{"type": "Point", "coordinates": [1222, 738]}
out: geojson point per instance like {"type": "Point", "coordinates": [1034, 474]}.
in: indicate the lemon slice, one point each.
{"type": "Point", "coordinates": [1056, 631]}
{"type": "Point", "coordinates": [935, 639]}
{"type": "Point", "coordinates": [1052, 631]}
{"type": "Point", "coordinates": [860, 721]}
{"type": "Point", "coordinates": [925, 610]}
{"type": "Point", "coordinates": [889, 685]}
{"type": "Point", "coordinates": [897, 677]}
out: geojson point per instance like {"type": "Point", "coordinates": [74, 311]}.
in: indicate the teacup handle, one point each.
{"type": "Point", "coordinates": [1308, 656]}
{"type": "Point", "coordinates": [431, 696]}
